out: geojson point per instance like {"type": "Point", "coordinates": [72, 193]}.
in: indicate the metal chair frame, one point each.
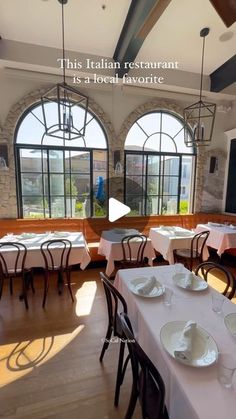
{"type": "Point", "coordinates": [127, 251]}
{"type": "Point", "coordinates": [196, 250]}
{"type": "Point", "coordinates": [63, 246]}
{"type": "Point", "coordinates": [208, 267]}
{"type": "Point", "coordinates": [115, 304]}
{"type": "Point", "coordinates": [148, 384]}
{"type": "Point", "coordinates": [19, 252]}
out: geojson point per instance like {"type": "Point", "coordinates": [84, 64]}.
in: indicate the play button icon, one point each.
{"type": "Point", "coordinates": [117, 209]}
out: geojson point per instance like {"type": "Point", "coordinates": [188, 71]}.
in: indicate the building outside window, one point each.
{"type": "Point", "coordinates": [159, 166]}
{"type": "Point", "coordinates": [60, 178]}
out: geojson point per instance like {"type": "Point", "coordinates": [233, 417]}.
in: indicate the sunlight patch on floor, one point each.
{"type": "Point", "coordinates": [85, 298]}
{"type": "Point", "coordinates": [19, 359]}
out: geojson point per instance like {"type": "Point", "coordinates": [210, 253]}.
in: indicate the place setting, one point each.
{"type": "Point", "coordinates": [146, 287]}
{"type": "Point", "coordinates": [189, 344]}
{"type": "Point", "coordinates": [188, 280]}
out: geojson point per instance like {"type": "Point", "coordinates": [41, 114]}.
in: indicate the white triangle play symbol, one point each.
{"type": "Point", "coordinates": [117, 209]}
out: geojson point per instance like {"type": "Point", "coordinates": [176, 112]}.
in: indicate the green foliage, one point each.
{"type": "Point", "coordinates": [71, 188]}
{"type": "Point", "coordinates": [183, 207]}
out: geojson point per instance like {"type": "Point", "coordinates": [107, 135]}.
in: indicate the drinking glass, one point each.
{"type": "Point", "coordinates": [167, 296]}
{"type": "Point", "coordinates": [225, 369]}
{"type": "Point", "coordinates": [217, 302]}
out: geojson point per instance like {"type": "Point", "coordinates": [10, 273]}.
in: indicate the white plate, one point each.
{"type": "Point", "coordinates": [232, 226]}
{"type": "Point", "coordinates": [157, 291]}
{"type": "Point", "coordinates": [214, 224]}
{"type": "Point", "coordinates": [184, 233]}
{"type": "Point", "coordinates": [198, 284]}
{"type": "Point", "coordinates": [205, 351]}
{"type": "Point", "coordinates": [27, 236]}
{"type": "Point", "coordinates": [61, 234]}
{"type": "Point", "coordinates": [230, 323]}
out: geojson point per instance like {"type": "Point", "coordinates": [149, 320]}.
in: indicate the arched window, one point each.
{"type": "Point", "coordinates": [159, 166]}
{"type": "Point", "coordinates": [56, 177]}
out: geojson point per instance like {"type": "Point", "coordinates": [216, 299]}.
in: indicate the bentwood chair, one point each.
{"type": "Point", "coordinates": [56, 255]}
{"type": "Point", "coordinates": [148, 384]}
{"type": "Point", "coordinates": [212, 269]}
{"type": "Point", "coordinates": [115, 304]}
{"type": "Point", "coordinates": [133, 256]}
{"type": "Point", "coordinates": [194, 255]}
{"type": "Point", "coordinates": [12, 258]}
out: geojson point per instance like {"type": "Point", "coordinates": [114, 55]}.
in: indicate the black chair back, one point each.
{"type": "Point", "coordinates": [56, 253]}
{"type": "Point", "coordinates": [211, 268]}
{"type": "Point", "coordinates": [197, 244]}
{"type": "Point", "coordinates": [131, 255]}
{"type": "Point", "coordinates": [12, 257]}
{"type": "Point", "coordinates": [115, 304]}
{"type": "Point", "coordinates": [148, 384]}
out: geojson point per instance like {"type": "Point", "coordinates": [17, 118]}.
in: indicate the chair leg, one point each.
{"type": "Point", "coordinates": [1, 287]}
{"type": "Point", "coordinates": [45, 291]}
{"type": "Point", "coordinates": [69, 284]}
{"type": "Point", "coordinates": [106, 342]}
{"type": "Point", "coordinates": [132, 402]}
{"type": "Point", "coordinates": [119, 376]}
{"type": "Point", "coordinates": [11, 286]}
{"type": "Point", "coordinates": [24, 290]}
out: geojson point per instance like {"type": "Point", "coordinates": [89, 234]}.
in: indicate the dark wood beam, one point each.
{"type": "Point", "coordinates": [226, 9]}
{"type": "Point", "coordinates": [224, 76]}
{"type": "Point", "coordinates": [141, 18]}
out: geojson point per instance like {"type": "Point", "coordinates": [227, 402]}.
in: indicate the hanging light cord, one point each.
{"type": "Point", "coordinates": [203, 51]}
{"type": "Point", "coordinates": [63, 42]}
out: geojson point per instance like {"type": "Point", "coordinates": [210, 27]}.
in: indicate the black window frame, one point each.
{"type": "Point", "coordinates": [47, 148]}
{"type": "Point", "coordinates": [161, 154]}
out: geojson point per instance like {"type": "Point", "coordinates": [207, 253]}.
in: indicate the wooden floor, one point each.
{"type": "Point", "coordinates": [49, 358]}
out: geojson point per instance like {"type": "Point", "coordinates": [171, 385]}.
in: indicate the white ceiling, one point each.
{"type": "Point", "coordinates": [88, 28]}
{"type": "Point", "coordinates": [92, 30]}
{"type": "Point", "coordinates": [176, 37]}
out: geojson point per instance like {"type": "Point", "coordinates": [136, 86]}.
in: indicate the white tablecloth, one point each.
{"type": "Point", "coordinates": [79, 252]}
{"type": "Point", "coordinates": [191, 393]}
{"type": "Point", "coordinates": [220, 238]}
{"type": "Point", "coordinates": [166, 239]}
{"type": "Point", "coordinates": [110, 247]}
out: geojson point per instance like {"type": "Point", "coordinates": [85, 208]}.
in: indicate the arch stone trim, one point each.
{"type": "Point", "coordinates": [8, 207]}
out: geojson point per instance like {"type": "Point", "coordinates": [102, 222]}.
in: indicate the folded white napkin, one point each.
{"type": "Point", "coordinates": [188, 280]}
{"type": "Point", "coordinates": [184, 347]}
{"type": "Point", "coordinates": [147, 286]}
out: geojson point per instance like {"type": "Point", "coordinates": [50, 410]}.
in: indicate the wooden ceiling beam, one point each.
{"type": "Point", "coordinates": [224, 76]}
{"type": "Point", "coordinates": [226, 9]}
{"type": "Point", "coordinates": [141, 18]}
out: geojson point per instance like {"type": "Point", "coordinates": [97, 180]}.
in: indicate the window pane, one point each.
{"type": "Point", "coordinates": [33, 207]}
{"type": "Point", "coordinates": [56, 163]}
{"type": "Point", "coordinates": [135, 203]}
{"type": "Point", "coordinates": [80, 162]}
{"type": "Point", "coordinates": [153, 185]}
{"type": "Point", "coordinates": [170, 185]}
{"type": "Point", "coordinates": [57, 184]}
{"type": "Point", "coordinates": [31, 184]}
{"type": "Point", "coordinates": [153, 143]}
{"type": "Point", "coordinates": [135, 164]}
{"type": "Point", "coordinates": [171, 165]}
{"type": "Point", "coordinates": [57, 207]}
{"type": "Point", "coordinates": [170, 124]}
{"type": "Point", "coordinates": [153, 165]}
{"type": "Point", "coordinates": [30, 160]}
{"type": "Point", "coordinates": [167, 144]}
{"type": "Point", "coordinates": [150, 123]}
{"type": "Point", "coordinates": [135, 138]}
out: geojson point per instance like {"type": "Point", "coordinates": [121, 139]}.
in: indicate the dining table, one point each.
{"type": "Point", "coordinates": [79, 251]}
{"type": "Point", "coordinates": [222, 237]}
{"type": "Point", "coordinates": [191, 392]}
{"type": "Point", "coordinates": [110, 247]}
{"type": "Point", "coordinates": [165, 239]}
